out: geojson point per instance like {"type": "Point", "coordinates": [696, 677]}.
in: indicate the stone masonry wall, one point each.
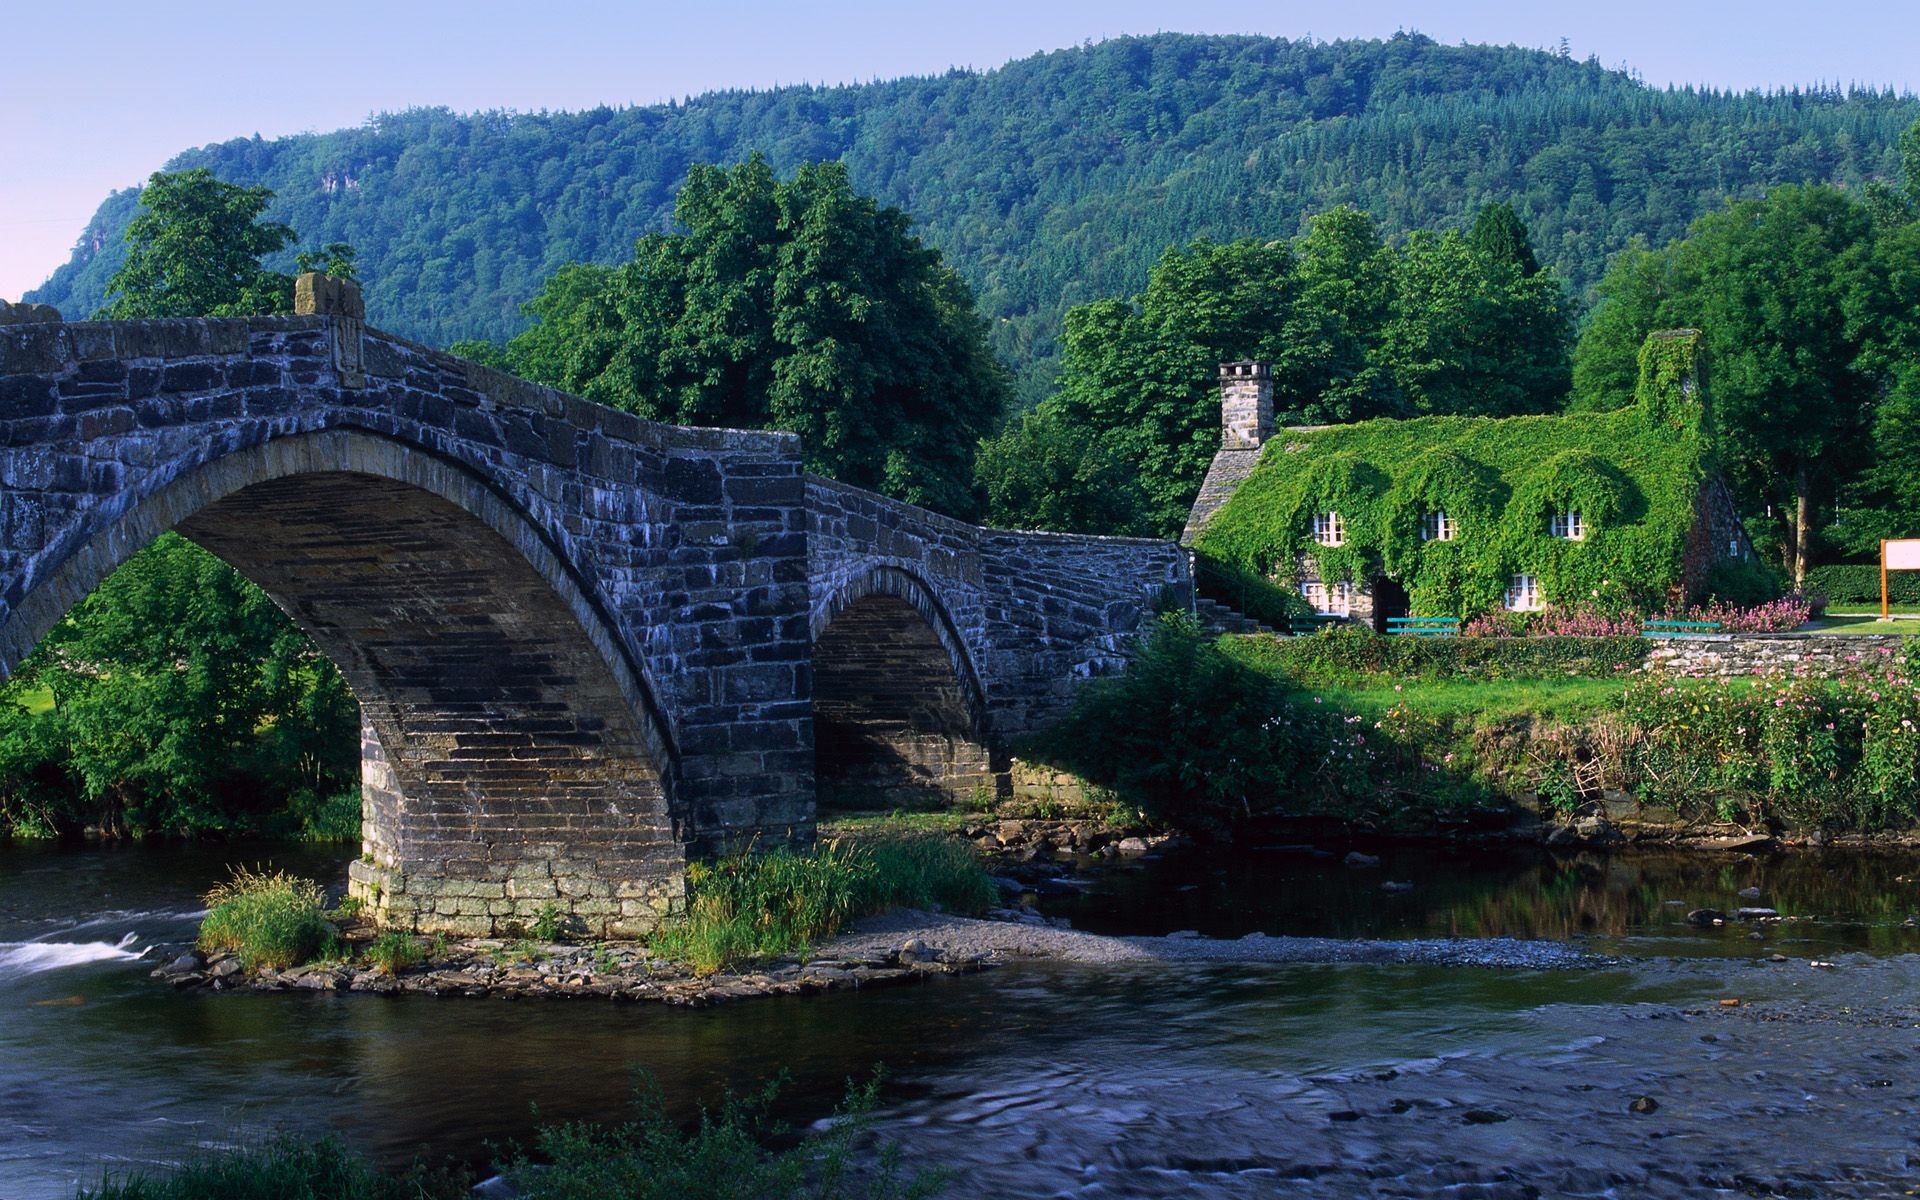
{"type": "Point", "coordinates": [1817, 654]}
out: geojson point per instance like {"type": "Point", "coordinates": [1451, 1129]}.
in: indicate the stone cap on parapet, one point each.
{"type": "Point", "coordinates": [929, 517]}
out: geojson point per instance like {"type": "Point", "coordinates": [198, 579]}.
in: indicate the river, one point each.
{"type": "Point", "coordinates": [1057, 1080]}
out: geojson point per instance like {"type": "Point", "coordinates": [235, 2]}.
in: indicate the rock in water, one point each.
{"type": "Point", "coordinates": [1356, 859]}
{"type": "Point", "coordinates": [1644, 1105]}
{"type": "Point", "coordinates": [1706, 916]}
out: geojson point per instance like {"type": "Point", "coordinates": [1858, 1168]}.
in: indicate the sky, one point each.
{"type": "Point", "coordinates": [102, 94]}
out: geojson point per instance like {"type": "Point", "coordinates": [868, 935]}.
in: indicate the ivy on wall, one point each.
{"type": "Point", "coordinates": [1632, 474]}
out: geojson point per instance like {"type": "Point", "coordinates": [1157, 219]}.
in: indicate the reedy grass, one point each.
{"type": "Point", "coordinates": [780, 903]}
{"type": "Point", "coordinates": [269, 920]}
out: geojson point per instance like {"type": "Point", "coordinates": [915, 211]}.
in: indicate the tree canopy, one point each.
{"type": "Point", "coordinates": [796, 305]}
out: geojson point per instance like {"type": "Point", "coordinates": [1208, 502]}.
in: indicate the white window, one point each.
{"type": "Point", "coordinates": [1733, 547]}
{"type": "Point", "coordinates": [1328, 529]}
{"type": "Point", "coordinates": [1335, 601]}
{"type": "Point", "coordinates": [1523, 595]}
{"type": "Point", "coordinates": [1568, 525]}
{"type": "Point", "coordinates": [1437, 526]}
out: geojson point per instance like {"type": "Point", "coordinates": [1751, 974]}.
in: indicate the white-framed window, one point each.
{"type": "Point", "coordinates": [1523, 594]}
{"type": "Point", "coordinates": [1437, 526]}
{"type": "Point", "coordinates": [1335, 601]}
{"type": "Point", "coordinates": [1733, 547]}
{"type": "Point", "coordinates": [1329, 529]}
{"type": "Point", "coordinates": [1568, 525]}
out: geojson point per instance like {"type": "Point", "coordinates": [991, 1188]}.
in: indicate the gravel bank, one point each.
{"type": "Point", "coordinates": [967, 938]}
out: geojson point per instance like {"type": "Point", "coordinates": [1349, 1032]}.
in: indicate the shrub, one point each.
{"type": "Point", "coordinates": [285, 1169]}
{"type": "Point", "coordinates": [1187, 735]}
{"type": "Point", "coordinates": [1744, 583]}
{"type": "Point", "coordinates": [781, 902]}
{"type": "Point", "coordinates": [275, 921]}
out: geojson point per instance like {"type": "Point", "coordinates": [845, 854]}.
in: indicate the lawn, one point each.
{"type": "Point", "coordinates": [1906, 620]}
{"type": "Point", "coordinates": [1565, 699]}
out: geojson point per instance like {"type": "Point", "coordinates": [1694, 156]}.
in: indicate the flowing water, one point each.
{"type": "Point", "coordinates": [1054, 1080]}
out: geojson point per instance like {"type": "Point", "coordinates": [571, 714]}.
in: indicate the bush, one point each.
{"type": "Point", "coordinates": [780, 903]}
{"type": "Point", "coordinates": [275, 921]}
{"type": "Point", "coordinates": [1839, 753]}
{"type": "Point", "coordinates": [1859, 583]}
{"type": "Point", "coordinates": [1187, 735]}
{"type": "Point", "coordinates": [1744, 583]}
{"type": "Point", "coordinates": [285, 1169]}
{"type": "Point", "coordinates": [726, 1156]}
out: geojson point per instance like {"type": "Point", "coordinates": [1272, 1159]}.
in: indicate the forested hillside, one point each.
{"type": "Point", "coordinates": [1054, 180]}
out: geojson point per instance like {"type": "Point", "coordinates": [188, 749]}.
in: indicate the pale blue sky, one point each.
{"type": "Point", "coordinates": [100, 94]}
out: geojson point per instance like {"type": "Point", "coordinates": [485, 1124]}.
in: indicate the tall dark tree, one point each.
{"type": "Point", "coordinates": [195, 251]}
{"type": "Point", "coordinates": [1796, 303]}
{"type": "Point", "coordinates": [796, 305]}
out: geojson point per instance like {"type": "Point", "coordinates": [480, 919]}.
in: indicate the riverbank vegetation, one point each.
{"type": "Point", "coordinates": [782, 903]}
{"type": "Point", "coordinates": [268, 919]}
{"type": "Point", "coordinates": [1410, 735]}
{"type": "Point", "coordinates": [736, 1151]}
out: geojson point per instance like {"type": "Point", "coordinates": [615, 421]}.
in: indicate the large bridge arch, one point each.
{"type": "Point", "coordinates": [898, 707]}
{"type": "Point", "coordinates": [511, 754]}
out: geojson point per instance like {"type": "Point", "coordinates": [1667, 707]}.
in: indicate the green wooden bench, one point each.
{"type": "Point", "coordinates": [1424, 626]}
{"type": "Point", "coordinates": [1308, 626]}
{"type": "Point", "coordinates": [1679, 629]}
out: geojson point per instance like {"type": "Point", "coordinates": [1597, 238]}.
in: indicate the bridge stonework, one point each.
{"type": "Point", "coordinates": [586, 647]}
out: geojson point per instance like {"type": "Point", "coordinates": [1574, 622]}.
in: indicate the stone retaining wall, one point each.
{"type": "Point", "coordinates": [1817, 654]}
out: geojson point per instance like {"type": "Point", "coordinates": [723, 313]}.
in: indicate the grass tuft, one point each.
{"type": "Point", "coordinates": [270, 920]}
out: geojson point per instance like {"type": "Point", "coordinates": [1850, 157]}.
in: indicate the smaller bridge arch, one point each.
{"type": "Point", "coordinates": [898, 708]}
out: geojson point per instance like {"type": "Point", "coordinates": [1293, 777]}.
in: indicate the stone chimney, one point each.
{"type": "Point", "coordinates": [1246, 405]}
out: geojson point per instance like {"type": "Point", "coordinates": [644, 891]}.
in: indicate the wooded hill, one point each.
{"type": "Point", "coordinates": [1055, 179]}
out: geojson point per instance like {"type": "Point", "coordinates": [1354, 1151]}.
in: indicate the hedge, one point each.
{"type": "Point", "coordinates": [1859, 583]}
{"type": "Point", "coordinates": [1340, 654]}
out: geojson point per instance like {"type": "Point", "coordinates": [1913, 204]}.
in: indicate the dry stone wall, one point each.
{"type": "Point", "coordinates": [1821, 655]}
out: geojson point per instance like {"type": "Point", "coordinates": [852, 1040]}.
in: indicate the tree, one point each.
{"type": "Point", "coordinates": [176, 697]}
{"type": "Point", "coordinates": [1044, 471]}
{"type": "Point", "coordinates": [195, 251]}
{"type": "Point", "coordinates": [1793, 298]}
{"type": "Point", "coordinates": [796, 305]}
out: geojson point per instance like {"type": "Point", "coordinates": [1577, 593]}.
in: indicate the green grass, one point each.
{"type": "Point", "coordinates": [394, 951]}
{"type": "Point", "coordinates": [1906, 620]}
{"type": "Point", "coordinates": [1561, 699]}
{"type": "Point", "coordinates": [275, 921]}
{"type": "Point", "coordinates": [780, 903]}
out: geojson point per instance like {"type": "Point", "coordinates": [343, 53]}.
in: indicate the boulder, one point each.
{"type": "Point", "coordinates": [1705, 917]}
{"type": "Point", "coordinates": [1361, 861]}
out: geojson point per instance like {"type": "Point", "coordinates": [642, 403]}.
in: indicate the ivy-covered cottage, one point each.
{"type": "Point", "coordinates": [1457, 516]}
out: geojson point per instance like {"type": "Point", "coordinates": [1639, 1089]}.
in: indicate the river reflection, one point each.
{"type": "Point", "coordinates": [1839, 899]}
{"type": "Point", "coordinates": [1054, 1080]}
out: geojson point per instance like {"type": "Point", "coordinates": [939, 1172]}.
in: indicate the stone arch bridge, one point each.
{"type": "Point", "coordinates": [586, 646]}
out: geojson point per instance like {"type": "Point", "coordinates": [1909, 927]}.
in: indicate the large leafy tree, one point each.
{"type": "Point", "coordinates": [1800, 312]}
{"type": "Point", "coordinates": [797, 305]}
{"type": "Point", "coordinates": [195, 249]}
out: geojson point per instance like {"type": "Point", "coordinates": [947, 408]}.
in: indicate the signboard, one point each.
{"type": "Point", "coordinates": [1901, 554]}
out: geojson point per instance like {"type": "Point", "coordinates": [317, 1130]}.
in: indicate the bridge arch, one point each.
{"type": "Point", "coordinates": [899, 710]}
{"type": "Point", "coordinates": [512, 752]}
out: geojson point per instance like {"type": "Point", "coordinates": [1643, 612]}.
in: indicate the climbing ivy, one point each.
{"type": "Point", "coordinates": [1632, 474]}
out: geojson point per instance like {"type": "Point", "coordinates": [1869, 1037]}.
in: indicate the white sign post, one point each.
{"type": "Point", "coordinates": [1899, 555]}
